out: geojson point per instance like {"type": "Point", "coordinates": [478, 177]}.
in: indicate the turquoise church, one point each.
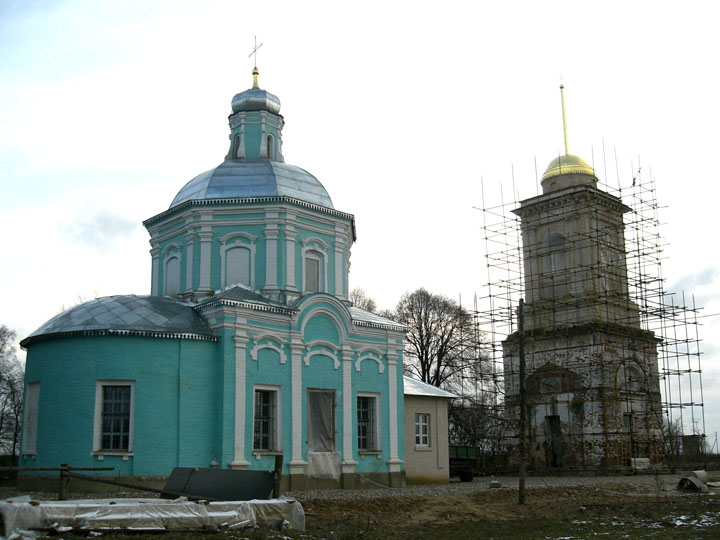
{"type": "Point", "coordinates": [246, 348]}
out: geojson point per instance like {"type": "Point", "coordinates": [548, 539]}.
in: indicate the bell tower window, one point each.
{"type": "Point", "coordinates": [554, 259]}
{"type": "Point", "coordinates": [236, 146]}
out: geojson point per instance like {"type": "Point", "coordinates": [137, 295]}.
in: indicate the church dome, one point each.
{"type": "Point", "coordinates": [256, 99]}
{"type": "Point", "coordinates": [568, 164]}
{"type": "Point", "coordinates": [239, 179]}
{"type": "Point", "coordinates": [152, 316]}
{"type": "Point", "coordinates": [567, 171]}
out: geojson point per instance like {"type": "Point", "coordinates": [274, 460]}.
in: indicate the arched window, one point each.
{"type": "Point", "coordinates": [631, 378]}
{"type": "Point", "coordinates": [236, 146]}
{"type": "Point", "coordinates": [270, 147]}
{"type": "Point", "coordinates": [237, 259]}
{"type": "Point", "coordinates": [554, 256]}
{"type": "Point", "coordinates": [172, 276]}
{"type": "Point", "coordinates": [237, 266]}
{"type": "Point", "coordinates": [313, 271]}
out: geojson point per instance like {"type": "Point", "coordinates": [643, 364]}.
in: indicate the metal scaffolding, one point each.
{"type": "Point", "coordinates": [614, 376]}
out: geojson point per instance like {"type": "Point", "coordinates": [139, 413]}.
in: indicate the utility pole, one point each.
{"type": "Point", "coordinates": [523, 420]}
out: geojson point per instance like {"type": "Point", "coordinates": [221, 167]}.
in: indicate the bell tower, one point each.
{"type": "Point", "coordinates": [592, 384]}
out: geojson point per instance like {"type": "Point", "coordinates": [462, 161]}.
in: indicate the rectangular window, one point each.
{"type": "Point", "coordinates": [422, 429]}
{"type": "Point", "coordinates": [367, 423]}
{"type": "Point", "coordinates": [30, 418]}
{"type": "Point", "coordinates": [114, 416]}
{"type": "Point", "coordinates": [265, 431]}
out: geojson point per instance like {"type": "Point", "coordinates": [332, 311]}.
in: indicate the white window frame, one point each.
{"type": "Point", "coordinates": [30, 418]}
{"type": "Point", "coordinates": [278, 419]}
{"type": "Point", "coordinates": [422, 440]}
{"type": "Point", "coordinates": [97, 431]}
{"type": "Point", "coordinates": [321, 248]}
{"type": "Point", "coordinates": [237, 240]}
{"type": "Point", "coordinates": [375, 427]}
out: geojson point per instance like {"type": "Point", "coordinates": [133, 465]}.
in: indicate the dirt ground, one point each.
{"type": "Point", "coordinates": [569, 512]}
{"type": "Point", "coordinates": [577, 509]}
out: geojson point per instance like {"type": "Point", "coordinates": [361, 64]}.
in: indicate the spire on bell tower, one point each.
{"type": "Point", "coordinates": [562, 101]}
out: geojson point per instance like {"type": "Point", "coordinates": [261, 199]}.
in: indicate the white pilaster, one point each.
{"type": "Point", "coordinates": [339, 290]}
{"type": "Point", "coordinates": [394, 462]}
{"type": "Point", "coordinates": [239, 461]}
{"type": "Point", "coordinates": [189, 245]}
{"type": "Point", "coordinates": [290, 237]}
{"type": "Point", "coordinates": [297, 349]}
{"type": "Point", "coordinates": [205, 252]}
{"type": "Point", "coordinates": [271, 253]}
{"type": "Point", "coordinates": [348, 425]}
{"type": "Point", "coordinates": [155, 254]}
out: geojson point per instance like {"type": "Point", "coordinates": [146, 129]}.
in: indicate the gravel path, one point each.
{"type": "Point", "coordinates": [640, 484]}
{"type": "Point", "coordinates": [648, 484]}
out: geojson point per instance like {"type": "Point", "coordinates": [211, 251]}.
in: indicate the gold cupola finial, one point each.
{"type": "Point", "coordinates": [255, 71]}
{"type": "Point", "coordinates": [567, 170]}
{"type": "Point", "coordinates": [562, 101]}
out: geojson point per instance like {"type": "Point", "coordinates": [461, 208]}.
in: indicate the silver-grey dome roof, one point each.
{"type": "Point", "coordinates": [256, 99]}
{"type": "Point", "coordinates": [239, 179]}
{"type": "Point", "coordinates": [144, 315]}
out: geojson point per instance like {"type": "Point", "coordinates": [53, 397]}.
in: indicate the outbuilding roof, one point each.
{"type": "Point", "coordinates": [413, 387]}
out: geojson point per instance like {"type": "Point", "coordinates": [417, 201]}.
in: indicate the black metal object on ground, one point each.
{"type": "Point", "coordinates": [220, 484]}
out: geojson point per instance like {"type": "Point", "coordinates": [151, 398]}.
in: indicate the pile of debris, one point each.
{"type": "Point", "coordinates": [24, 518]}
{"type": "Point", "coordinates": [700, 481]}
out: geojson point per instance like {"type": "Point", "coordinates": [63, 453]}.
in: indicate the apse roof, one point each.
{"type": "Point", "coordinates": [240, 179]}
{"type": "Point", "coordinates": [152, 316]}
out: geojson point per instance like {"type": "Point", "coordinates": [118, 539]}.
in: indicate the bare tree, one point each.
{"type": "Point", "coordinates": [442, 339]}
{"type": "Point", "coordinates": [11, 393]}
{"type": "Point", "coordinates": [360, 299]}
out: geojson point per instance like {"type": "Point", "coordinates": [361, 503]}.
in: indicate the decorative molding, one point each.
{"type": "Point", "coordinates": [274, 344]}
{"type": "Point", "coordinates": [327, 345]}
{"type": "Point", "coordinates": [371, 354]}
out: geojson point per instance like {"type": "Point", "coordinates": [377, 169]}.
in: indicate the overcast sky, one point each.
{"type": "Point", "coordinates": [399, 108]}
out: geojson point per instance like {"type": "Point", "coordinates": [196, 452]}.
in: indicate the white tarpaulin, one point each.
{"type": "Point", "coordinates": [21, 515]}
{"type": "Point", "coordinates": [325, 465]}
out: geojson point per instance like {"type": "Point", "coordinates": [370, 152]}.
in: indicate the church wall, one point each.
{"type": "Point", "coordinates": [321, 374]}
{"type": "Point", "coordinates": [370, 380]}
{"type": "Point", "coordinates": [268, 370]}
{"type": "Point", "coordinates": [182, 238]}
{"type": "Point", "coordinates": [161, 370]}
{"type": "Point", "coordinates": [196, 405]}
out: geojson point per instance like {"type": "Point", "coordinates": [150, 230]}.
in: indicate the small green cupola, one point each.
{"type": "Point", "coordinates": [256, 125]}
